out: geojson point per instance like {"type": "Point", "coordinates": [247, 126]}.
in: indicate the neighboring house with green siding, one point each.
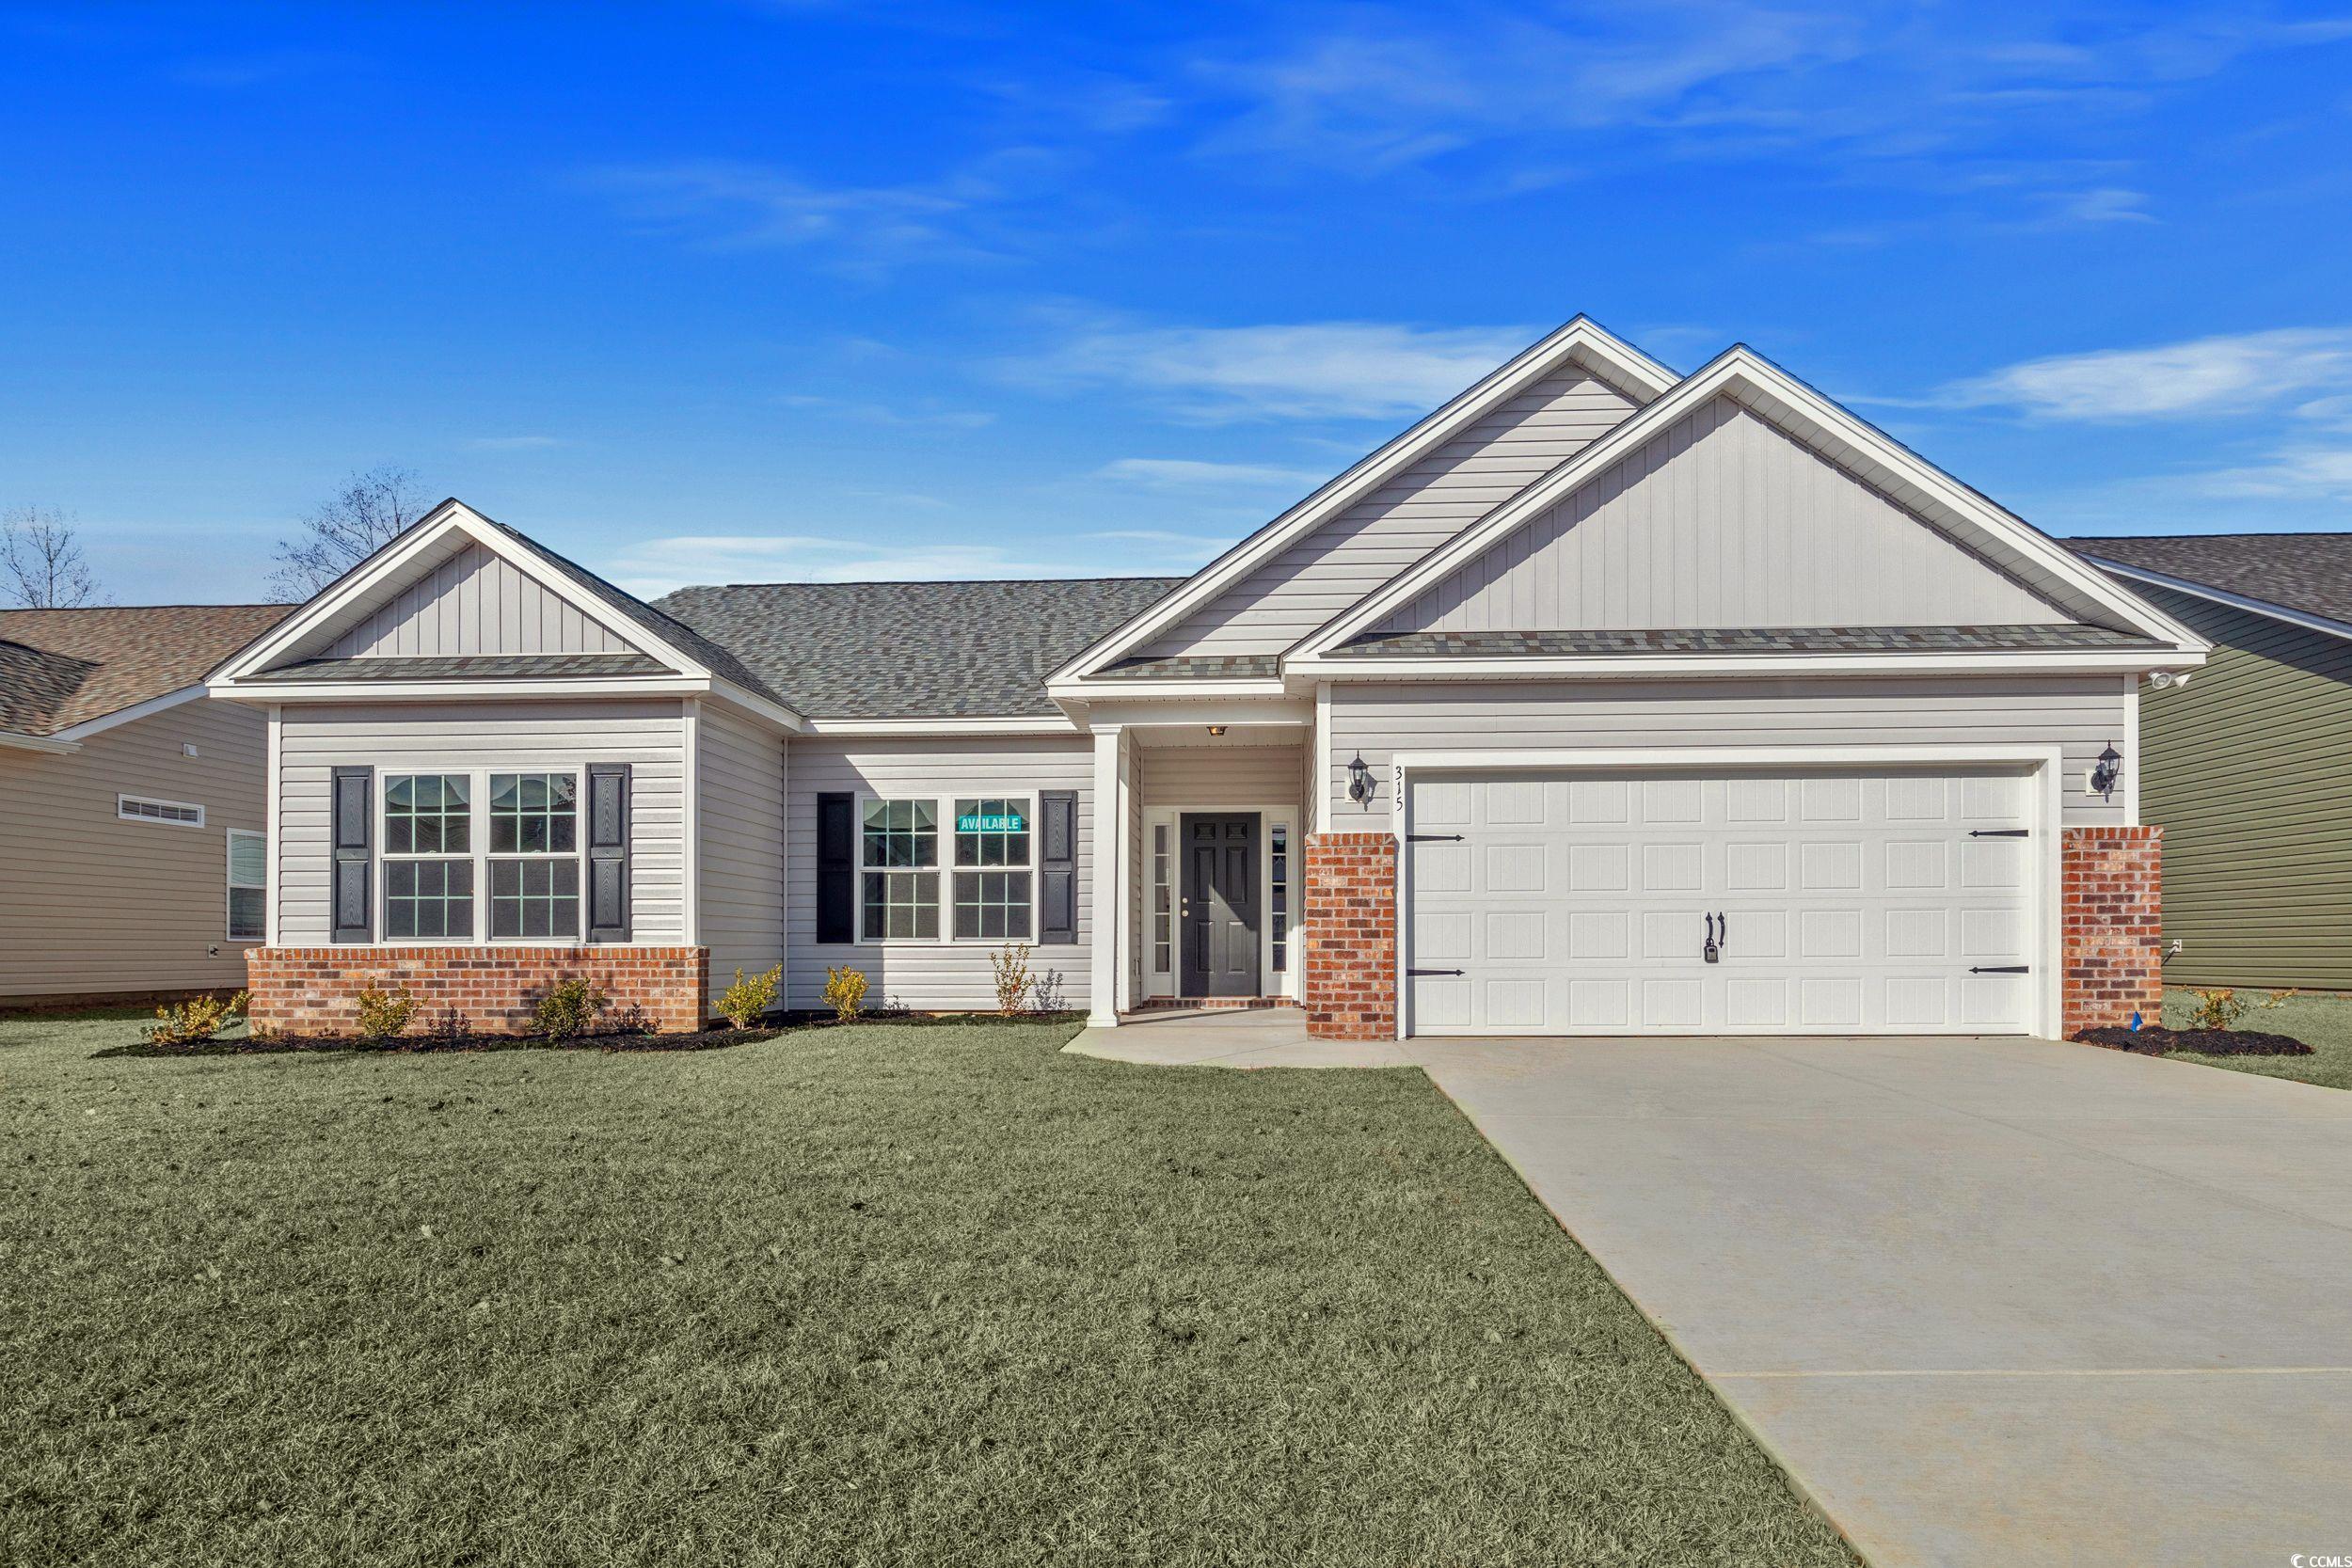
{"type": "Point", "coordinates": [2248, 765]}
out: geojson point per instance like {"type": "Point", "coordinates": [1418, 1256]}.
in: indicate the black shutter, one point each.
{"type": "Point", "coordinates": [354, 817]}
{"type": "Point", "coordinates": [836, 868]}
{"type": "Point", "coordinates": [607, 852]}
{"type": "Point", "coordinates": [1057, 867]}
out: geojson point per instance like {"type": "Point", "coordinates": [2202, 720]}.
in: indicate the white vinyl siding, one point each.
{"type": "Point", "coordinates": [1721, 520]}
{"type": "Point", "coordinates": [475, 603]}
{"type": "Point", "coordinates": [740, 781]}
{"type": "Point", "coordinates": [1206, 777]}
{"type": "Point", "coordinates": [127, 905]}
{"type": "Point", "coordinates": [931, 975]}
{"type": "Point", "coordinates": [2080, 714]}
{"type": "Point", "coordinates": [463, 737]}
{"type": "Point", "coordinates": [1416, 510]}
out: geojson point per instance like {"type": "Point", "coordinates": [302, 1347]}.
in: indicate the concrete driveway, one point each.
{"type": "Point", "coordinates": [1989, 1301]}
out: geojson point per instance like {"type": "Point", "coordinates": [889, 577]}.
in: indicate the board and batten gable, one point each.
{"type": "Point", "coordinates": [1339, 562]}
{"type": "Point", "coordinates": [645, 733]}
{"type": "Point", "coordinates": [739, 788]}
{"type": "Point", "coordinates": [2081, 715]}
{"type": "Point", "coordinates": [2249, 770]}
{"type": "Point", "coordinates": [94, 904]}
{"type": "Point", "coordinates": [941, 974]}
{"type": "Point", "coordinates": [1723, 520]}
{"type": "Point", "coordinates": [475, 602]}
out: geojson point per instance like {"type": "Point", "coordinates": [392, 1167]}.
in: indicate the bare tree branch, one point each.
{"type": "Point", "coordinates": [41, 565]}
{"type": "Point", "coordinates": [355, 522]}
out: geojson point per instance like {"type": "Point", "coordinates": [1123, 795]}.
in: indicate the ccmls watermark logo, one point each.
{"type": "Point", "coordinates": [2320, 1560]}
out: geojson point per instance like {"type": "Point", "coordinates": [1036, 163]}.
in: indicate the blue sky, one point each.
{"type": "Point", "coordinates": [751, 292]}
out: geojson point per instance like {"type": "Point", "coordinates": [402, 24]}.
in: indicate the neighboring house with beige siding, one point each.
{"type": "Point", "coordinates": [2247, 768]}
{"type": "Point", "coordinates": [1602, 700]}
{"type": "Point", "coordinates": [133, 808]}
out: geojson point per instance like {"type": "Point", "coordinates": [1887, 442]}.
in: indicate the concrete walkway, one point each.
{"type": "Point", "coordinates": [1230, 1037]}
{"type": "Point", "coordinates": [1993, 1301]}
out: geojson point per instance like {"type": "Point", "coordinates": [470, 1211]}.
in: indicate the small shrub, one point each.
{"type": "Point", "coordinates": [2221, 1007]}
{"type": "Point", "coordinates": [746, 1002]}
{"type": "Point", "coordinates": [569, 1009]}
{"type": "Point", "coordinates": [195, 1020]}
{"type": "Point", "coordinates": [1014, 979]}
{"type": "Point", "coordinates": [845, 993]}
{"type": "Point", "coordinates": [384, 1013]}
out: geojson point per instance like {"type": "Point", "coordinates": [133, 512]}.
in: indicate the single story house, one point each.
{"type": "Point", "coordinates": [132, 806]}
{"type": "Point", "coordinates": [1601, 701]}
{"type": "Point", "coordinates": [2244, 767]}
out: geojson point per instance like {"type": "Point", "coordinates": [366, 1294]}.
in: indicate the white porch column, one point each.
{"type": "Point", "coordinates": [1106, 898]}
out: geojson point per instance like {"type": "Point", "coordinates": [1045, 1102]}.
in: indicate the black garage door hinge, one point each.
{"type": "Point", "coordinates": [1996, 832]}
{"type": "Point", "coordinates": [1412, 971]}
{"type": "Point", "coordinates": [1433, 838]}
{"type": "Point", "coordinates": [1998, 969]}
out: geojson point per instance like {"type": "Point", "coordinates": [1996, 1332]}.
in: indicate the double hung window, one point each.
{"type": "Point", "coordinates": [428, 857]}
{"type": "Point", "coordinates": [947, 867]}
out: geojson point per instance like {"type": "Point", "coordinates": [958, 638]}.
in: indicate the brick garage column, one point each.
{"type": "Point", "coordinates": [1351, 936]}
{"type": "Point", "coordinates": [2111, 925]}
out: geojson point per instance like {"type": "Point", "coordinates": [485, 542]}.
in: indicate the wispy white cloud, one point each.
{"type": "Point", "coordinates": [866, 412]}
{"type": "Point", "coordinates": [2234, 373]}
{"type": "Point", "coordinates": [1183, 473]}
{"type": "Point", "coordinates": [513, 443]}
{"type": "Point", "coordinates": [731, 205]}
{"type": "Point", "coordinates": [655, 566]}
{"type": "Point", "coordinates": [2302, 470]}
{"type": "Point", "coordinates": [1325, 369]}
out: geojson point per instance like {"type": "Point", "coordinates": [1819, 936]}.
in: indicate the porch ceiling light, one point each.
{"type": "Point", "coordinates": [1359, 780]}
{"type": "Point", "coordinates": [1216, 728]}
{"type": "Point", "coordinates": [2104, 771]}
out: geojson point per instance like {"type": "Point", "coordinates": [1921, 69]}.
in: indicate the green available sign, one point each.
{"type": "Point", "coordinates": [991, 822]}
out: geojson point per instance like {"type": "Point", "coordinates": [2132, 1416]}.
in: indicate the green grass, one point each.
{"type": "Point", "coordinates": [2322, 1022]}
{"type": "Point", "coordinates": [866, 1297]}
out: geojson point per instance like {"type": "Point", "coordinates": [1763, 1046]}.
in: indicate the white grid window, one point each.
{"type": "Point", "coordinates": [534, 856]}
{"type": "Point", "coordinates": [898, 861]}
{"type": "Point", "coordinates": [1278, 891]}
{"type": "Point", "coordinates": [249, 885]}
{"type": "Point", "coordinates": [992, 905]}
{"type": "Point", "coordinates": [1162, 917]}
{"type": "Point", "coordinates": [428, 863]}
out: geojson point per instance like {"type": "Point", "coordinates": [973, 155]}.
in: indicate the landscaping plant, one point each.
{"type": "Point", "coordinates": [845, 993]}
{"type": "Point", "coordinates": [384, 1013]}
{"type": "Point", "coordinates": [569, 1009]}
{"type": "Point", "coordinates": [2220, 1007]}
{"type": "Point", "coordinates": [1014, 979]}
{"type": "Point", "coordinates": [196, 1019]}
{"type": "Point", "coordinates": [746, 1002]}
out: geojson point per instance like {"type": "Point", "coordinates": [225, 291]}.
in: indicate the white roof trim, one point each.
{"type": "Point", "coordinates": [450, 517]}
{"type": "Point", "coordinates": [1742, 373]}
{"type": "Point", "coordinates": [1650, 666]}
{"type": "Point", "coordinates": [14, 742]}
{"type": "Point", "coordinates": [1025, 723]}
{"type": "Point", "coordinates": [2223, 596]}
{"type": "Point", "coordinates": [105, 722]}
{"type": "Point", "coordinates": [1614, 361]}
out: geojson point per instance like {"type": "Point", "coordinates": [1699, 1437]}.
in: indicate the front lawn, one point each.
{"type": "Point", "coordinates": [867, 1296]}
{"type": "Point", "coordinates": [2322, 1022]}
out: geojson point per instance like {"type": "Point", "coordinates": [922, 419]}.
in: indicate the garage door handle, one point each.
{"type": "Point", "coordinates": [1412, 971]}
{"type": "Point", "coordinates": [1996, 832]}
{"type": "Point", "coordinates": [1433, 838]}
{"type": "Point", "coordinates": [1997, 968]}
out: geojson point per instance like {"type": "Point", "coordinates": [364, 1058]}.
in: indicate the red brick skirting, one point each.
{"type": "Point", "coordinates": [1350, 911]}
{"type": "Point", "coordinates": [2112, 924]}
{"type": "Point", "coordinates": [310, 990]}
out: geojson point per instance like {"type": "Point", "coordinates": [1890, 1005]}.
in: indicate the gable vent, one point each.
{"type": "Point", "coordinates": [137, 808]}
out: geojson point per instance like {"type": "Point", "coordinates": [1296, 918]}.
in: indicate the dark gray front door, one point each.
{"type": "Point", "coordinates": [1221, 909]}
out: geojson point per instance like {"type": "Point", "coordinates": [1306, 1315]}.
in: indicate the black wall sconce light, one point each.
{"type": "Point", "coordinates": [2106, 772]}
{"type": "Point", "coordinates": [1360, 781]}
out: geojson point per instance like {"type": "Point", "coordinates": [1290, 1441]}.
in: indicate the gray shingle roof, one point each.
{"type": "Point", "coordinates": [477, 667]}
{"type": "Point", "coordinates": [903, 650]}
{"type": "Point", "coordinates": [60, 668]}
{"type": "Point", "coordinates": [1793, 639]}
{"type": "Point", "coordinates": [2309, 572]}
{"type": "Point", "coordinates": [1197, 667]}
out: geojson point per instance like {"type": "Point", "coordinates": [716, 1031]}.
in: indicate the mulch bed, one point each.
{"type": "Point", "coordinates": [709, 1040]}
{"type": "Point", "coordinates": [2156, 1040]}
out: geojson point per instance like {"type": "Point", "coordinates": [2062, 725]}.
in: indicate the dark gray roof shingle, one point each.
{"type": "Point", "coordinates": [1197, 667]}
{"type": "Point", "coordinates": [1762, 640]}
{"type": "Point", "coordinates": [462, 667]}
{"type": "Point", "coordinates": [907, 650]}
{"type": "Point", "coordinates": [2309, 572]}
{"type": "Point", "coordinates": [60, 668]}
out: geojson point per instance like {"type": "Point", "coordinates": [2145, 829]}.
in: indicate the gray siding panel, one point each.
{"type": "Point", "coordinates": [1386, 531]}
{"type": "Point", "coordinates": [91, 904]}
{"type": "Point", "coordinates": [928, 975]}
{"type": "Point", "coordinates": [1723, 520]}
{"type": "Point", "coordinates": [2078, 714]}
{"type": "Point", "coordinates": [2249, 770]}
{"type": "Point", "coordinates": [740, 779]}
{"type": "Point", "coordinates": [646, 733]}
{"type": "Point", "coordinates": [1205, 777]}
{"type": "Point", "coordinates": [475, 602]}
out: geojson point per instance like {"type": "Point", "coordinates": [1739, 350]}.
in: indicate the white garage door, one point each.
{"type": "Point", "coordinates": [1845, 903]}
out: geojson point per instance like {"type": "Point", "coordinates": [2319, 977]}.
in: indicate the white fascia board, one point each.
{"type": "Point", "coordinates": [1650, 666]}
{"type": "Point", "coordinates": [1027, 723]}
{"type": "Point", "coordinates": [50, 745]}
{"type": "Point", "coordinates": [1285, 713]}
{"type": "Point", "coordinates": [758, 707]}
{"type": "Point", "coordinates": [1738, 369]}
{"type": "Point", "coordinates": [409, 692]}
{"type": "Point", "coordinates": [2223, 596]}
{"type": "Point", "coordinates": [1616, 361]}
{"type": "Point", "coordinates": [105, 722]}
{"type": "Point", "coordinates": [450, 517]}
{"type": "Point", "coordinates": [1097, 692]}
{"type": "Point", "coordinates": [1924, 753]}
